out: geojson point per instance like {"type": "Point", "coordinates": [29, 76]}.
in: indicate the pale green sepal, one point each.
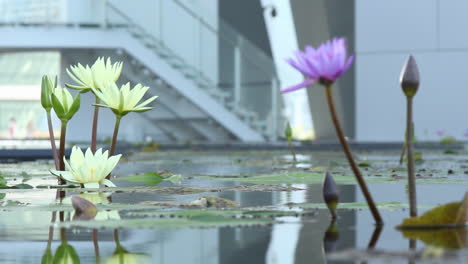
{"type": "Point", "coordinates": [108, 183]}
{"type": "Point", "coordinates": [142, 109]}
{"type": "Point", "coordinates": [82, 90]}
{"type": "Point", "coordinates": [74, 107]}
{"type": "Point", "coordinates": [58, 107]}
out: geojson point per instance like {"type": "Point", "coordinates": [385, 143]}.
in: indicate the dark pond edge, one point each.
{"type": "Point", "coordinates": [18, 154]}
{"type": "Point", "coordinates": [319, 146]}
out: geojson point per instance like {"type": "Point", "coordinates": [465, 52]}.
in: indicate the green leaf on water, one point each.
{"type": "Point", "coordinates": [317, 178]}
{"type": "Point", "coordinates": [148, 178]}
{"type": "Point", "coordinates": [450, 152]}
{"type": "Point", "coordinates": [17, 186]}
{"type": "Point", "coordinates": [388, 206]}
{"type": "Point", "coordinates": [364, 164]}
{"type": "Point", "coordinates": [26, 177]}
{"type": "Point", "coordinates": [153, 178]}
{"type": "Point", "coordinates": [202, 222]}
{"type": "Point", "coordinates": [22, 186]}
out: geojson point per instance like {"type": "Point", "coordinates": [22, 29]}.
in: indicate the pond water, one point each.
{"type": "Point", "coordinates": [279, 218]}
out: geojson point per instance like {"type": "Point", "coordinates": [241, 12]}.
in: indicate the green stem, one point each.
{"type": "Point", "coordinates": [293, 153]}
{"type": "Point", "coordinates": [63, 134]}
{"type": "Point", "coordinates": [63, 235]}
{"type": "Point", "coordinates": [52, 140]}
{"type": "Point", "coordinates": [409, 149]}
{"type": "Point", "coordinates": [95, 125]}
{"type": "Point", "coordinates": [403, 151]}
{"type": "Point", "coordinates": [114, 138]}
{"type": "Point", "coordinates": [349, 156]}
{"type": "Point", "coordinates": [116, 238]}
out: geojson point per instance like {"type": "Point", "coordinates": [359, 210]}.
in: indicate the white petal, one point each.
{"type": "Point", "coordinates": [64, 175]}
{"type": "Point", "coordinates": [108, 183]}
{"type": "Point", "coordinates": [91, 185]}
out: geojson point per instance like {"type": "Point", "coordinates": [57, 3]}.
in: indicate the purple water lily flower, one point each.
{"type": "Point", "coordinates": [324, 64]}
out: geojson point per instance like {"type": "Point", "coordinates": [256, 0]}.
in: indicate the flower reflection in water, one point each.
{"type": "Point", "coordinates": [122, 256]}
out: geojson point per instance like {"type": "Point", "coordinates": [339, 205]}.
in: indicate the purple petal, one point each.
{"type": "Point", "coordinates": [348, 63]}
{"type": "Point", "coordinates": [303, 84]}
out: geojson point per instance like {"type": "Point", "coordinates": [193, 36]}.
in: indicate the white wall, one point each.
{"type": "Point", "coordinates": [433, 31]}
{"type": "Point", "coordinates": [283, 41]}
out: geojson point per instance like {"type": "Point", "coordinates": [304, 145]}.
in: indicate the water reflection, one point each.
{"type": "Point", "coordinates": [289, 240]}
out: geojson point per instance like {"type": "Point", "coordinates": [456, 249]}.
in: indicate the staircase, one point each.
{"type": "Point", "coordinates": [192, 102]}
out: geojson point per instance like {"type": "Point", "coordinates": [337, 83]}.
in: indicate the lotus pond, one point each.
{"type": "Point", "coordinates": [231, 207]}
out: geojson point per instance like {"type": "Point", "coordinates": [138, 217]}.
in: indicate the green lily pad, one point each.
{"type": "Point", "coordinates": [389, 206]}
{"type": "Point", "coordinates": [200, 221]}
{"type": "Point", "coordinates": [148, 178]}
{"type": "Point", "coordinates": [317, 178]}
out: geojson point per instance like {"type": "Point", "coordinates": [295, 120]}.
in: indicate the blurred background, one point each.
{"type": "Point", "coordinates": [218, 66]}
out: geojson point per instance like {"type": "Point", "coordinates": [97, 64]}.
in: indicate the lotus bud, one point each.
{"type": "Point", "coordinates": [47, 88]}
{"type": "Point", "coordinates": [330, 194]}
{"type": "Point", "coordinates": [84, 209]}
{"type": "Point", "coordinates": [65, 106]}
{"type": "Point", "coordinates": [409, 78]}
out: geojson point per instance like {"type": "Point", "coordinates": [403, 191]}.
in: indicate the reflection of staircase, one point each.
{"type": "Point", "coordinates": [191, 106]}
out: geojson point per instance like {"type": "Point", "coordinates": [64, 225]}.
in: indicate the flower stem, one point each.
{"type": "Point", "coordinates": [116, 238]}
{"type": "Point", "coordinates": [95, 124]}
{"type": "Point", "coordinates": [63, 235]}
{"type": "Point", "coordinates": [52, 140]}
{"type": "Point", "coordinates": [114, 138]}
{"type": "Point", "coordinates": [349, 156]}
{"type": "Point", "coordinates": [293, 153]}
{"type": "Point", "coordinates": [63, 133]}
{"type": "Point", "coordinates": [96, 244]}
{"type": "Point", "coordinates": [410, 157]}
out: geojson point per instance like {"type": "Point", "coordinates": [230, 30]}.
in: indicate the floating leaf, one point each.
{"type": "Point", "coordinates": [317, 178]}
{"type": "Point", "coordinates": [148, 178]}
{"type": "Point", "coordinates": [26, 176]}
{"type": "Point", "coordinates": [364, 164]}
{"type": "Point", "coordinates": [448, 215]}
{"type": "Point", "coordinates": [22, 186]}
{"type": "Point", "coordinates": [389, 206]}
{"type": "Point", "coordinates": [448, 140]}
{"type": "Point", "coordinates": [153, 178]}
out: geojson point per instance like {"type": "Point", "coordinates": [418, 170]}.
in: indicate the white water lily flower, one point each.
{"type": "Point", "coordinates": [125, 100]}
{"type": "Point", "coordinates": [88, 169]}
{"type": "Point", "coordinates": [96, 76]}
